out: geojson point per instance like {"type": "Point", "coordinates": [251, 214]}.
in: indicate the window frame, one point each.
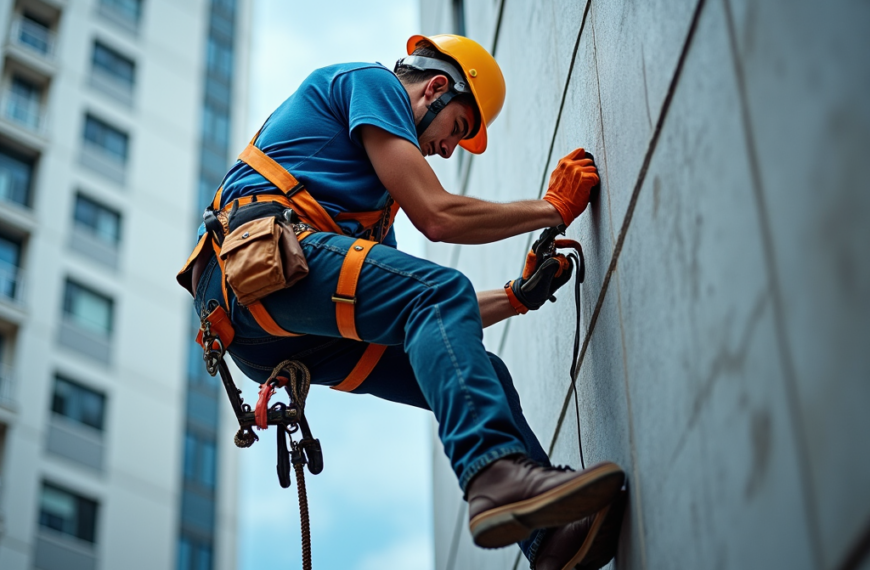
{"type": "Point", "coordinates": [9, 157]}
{"type": "Point", "coordinates": [99, 208]}
{"type": "Point", "coordinates": [101, 397]}
{"type": "Point", "coordinates": [103, 142]}
{"type": "Point", "coordinates": [79, 500]}
{"type": "Point", "coordinates": [118, 7]}
{"type": "Point", "coordinates": [200, 460]}
{"type": "Point", "coordinates": [108, 68]}
{"type": "Point", "coordinates": [71, 318]}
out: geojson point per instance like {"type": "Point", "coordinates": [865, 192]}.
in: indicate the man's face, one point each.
{"type": "Point", "coordinates": [450, 126]}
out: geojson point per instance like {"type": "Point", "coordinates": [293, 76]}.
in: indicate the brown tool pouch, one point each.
{"type": "Point", "coordinates": [260, 257]}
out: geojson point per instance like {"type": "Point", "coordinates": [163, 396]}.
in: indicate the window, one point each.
{"type": "Point", "coordinates": [35, 33]}
{"type": "Point", "coordinates": [128, 9]}
{"type": "Point", "coordinates": [222, 24]}
{"type": "Point", "coordinates": [10, 258]}
{"type": "Point", "coordinates": [16, 173]}
{"type": "Point", "coordinates": [107, 138]}
{"type": "Point", "coordinates": [68, 513]}
{"type": "Point", "coordinates": [218, 91]}
{"type": "Point", "coordinates": [193, 554]}
{"type": "Point", "coordinates": [220, 58]}
{"type": "Point", "coordinates": [207, 189]}
{"type": "Point", "coordinates": [110, 63]}
{"type": "Point", "coordinates": [22, 104]}
{"type": "Point", "coordinates": [83, 405]}
{"type": "Point", "coordinates": [228, 7]}
{"type": "Point", "coordinates": [200, 459]}
{"type": "Point", "coordinates": [215, 126]}
{"type": "Point", "coordinates": [459, 17]}
{"type": "Point", "coordinates": [93, 217]}
{"type": "Point", "coordinates": [6, 380]}
{"type": "Point", "coordinates": [87, 309]}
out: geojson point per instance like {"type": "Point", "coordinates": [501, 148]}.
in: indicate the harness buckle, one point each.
{"type": "Point", "coordinates": [346, 300]}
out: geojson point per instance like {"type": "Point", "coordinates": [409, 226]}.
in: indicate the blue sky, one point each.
{"type": "Point", "coordinates": [371, 508]}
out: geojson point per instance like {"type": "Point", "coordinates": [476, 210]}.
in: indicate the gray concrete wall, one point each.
{"type": "Point", "coordinates": [725, 333]}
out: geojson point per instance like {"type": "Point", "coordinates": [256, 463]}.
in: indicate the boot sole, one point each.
{"type": "Point", "coordinates": [571, 501]}
{"type": "Point", "coordinates": [601, 543]}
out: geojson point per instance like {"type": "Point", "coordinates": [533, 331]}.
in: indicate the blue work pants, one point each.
{"type": "Point", "coordinates": [428, 316]}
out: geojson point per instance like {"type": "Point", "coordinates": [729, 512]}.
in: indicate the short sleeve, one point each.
{"type": "Point", "coordinates": [373, 96]}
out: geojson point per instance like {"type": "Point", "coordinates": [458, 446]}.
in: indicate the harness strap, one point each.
{"type": "Point", "coordinates": [221, 265]}
{"type": "Point", "coordinates": [266, 322]}
{"type": "Point", "coordinates": [221, 325]}
{"type": "Point", "coordinates": [309, 209]}
{"type": "Point", "coordinates": [345, 292]}
{"type": "Point", "coordinates": [312, 213]}
{"type": "Point", "coordinates": [363, 368]}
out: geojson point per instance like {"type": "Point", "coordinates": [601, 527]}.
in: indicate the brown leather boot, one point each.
{"type": "Point", "coordinates": [587, 544]}
{"type": "Point", "coordinates": [515, 495]}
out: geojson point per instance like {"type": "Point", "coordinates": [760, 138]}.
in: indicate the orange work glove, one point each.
{"type": "Point", "coordinates": [571, 183]}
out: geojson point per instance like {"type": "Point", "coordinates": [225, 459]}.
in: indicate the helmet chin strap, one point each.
{"type": "Point", "coordinates": [436, 107]}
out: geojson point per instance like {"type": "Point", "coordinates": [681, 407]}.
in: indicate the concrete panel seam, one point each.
{"type": "Point", "coordinates": [454, 542]}
{"type": "Point", "coordinates": [562, 105]}
{"type": "Point", "coordinates": [506, 329]}
{"type": "Point", "coordinates": [579, 434]}
{"type": "Point", "coordinates": [465, 174]}
{"type": "Point", "coordinates": [785, 352]}
{"type": "Point", "coordinates": [636, 493]}
{"type": "Point", "coordinates": [498, 20]}
{"type": "Point", "coordinates": [553, 144]}
{"type": "Point", "coordinates": [605, 285]}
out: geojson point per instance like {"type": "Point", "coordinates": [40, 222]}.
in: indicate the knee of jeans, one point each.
{"type": "Point", "coordinates": [456, 284]}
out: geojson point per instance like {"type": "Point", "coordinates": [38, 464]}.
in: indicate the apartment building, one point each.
{"type": "Point", "coordinates": [116, 118]}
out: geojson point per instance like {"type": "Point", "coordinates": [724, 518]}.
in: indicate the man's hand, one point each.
{"type": "Point", "coordinates": [538, 283]}
{"type": "Point", "coordinates": [571, 184]}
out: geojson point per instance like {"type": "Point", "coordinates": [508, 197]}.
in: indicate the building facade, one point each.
{"type": "Point", "coordinates": [113, 114]}
{"type": "Point", "coordinates": [724, 327]}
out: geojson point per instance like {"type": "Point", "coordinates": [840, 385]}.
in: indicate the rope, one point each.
{"type": "Point", "coordinates": [297, 385]}
{"type": "Point", "coordinates": [577, 260]}
{"type": "Point", "coordinates": [303, 515]}
{"type": "Point", "coordinates": [297, 393]}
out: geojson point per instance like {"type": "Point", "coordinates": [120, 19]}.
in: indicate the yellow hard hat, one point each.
{"type": "Point", "coordinates": [483, 75]}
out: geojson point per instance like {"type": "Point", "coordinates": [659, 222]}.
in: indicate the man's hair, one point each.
{"type": "Point", "coordinates": [410, 76]}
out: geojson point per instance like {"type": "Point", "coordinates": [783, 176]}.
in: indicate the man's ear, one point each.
{"type": "Point", "coordinates": [436, 87]}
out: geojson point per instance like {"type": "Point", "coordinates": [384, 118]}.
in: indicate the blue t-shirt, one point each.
{"type": "Point", "coordinates": [314, 135]}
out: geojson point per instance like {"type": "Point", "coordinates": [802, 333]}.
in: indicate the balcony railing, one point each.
{"type": "Point", "coordinates": [97, 158]}
{"type": "Point", "coordinates": [109, 85]}
{"type": "Point", "coordinates": [11, 283]}
{"type": "Point", "coordinates": [24, 111]}
{"type": "Point", "coordinates": [33, 36]}
{"type": "Point", "coordinates": [7, 386]}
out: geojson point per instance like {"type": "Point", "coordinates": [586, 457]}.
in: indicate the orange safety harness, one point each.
{"type": "Point", "coordinates": [311, 215]}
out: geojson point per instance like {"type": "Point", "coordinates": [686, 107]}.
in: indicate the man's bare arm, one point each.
{"type": "Point", "coordinates": [439, 215]}
{"type": "Point", "coordinates": [494, 307]}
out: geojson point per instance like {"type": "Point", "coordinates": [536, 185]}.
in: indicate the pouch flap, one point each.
{"type": "Point", "coordinates": [246, 233]}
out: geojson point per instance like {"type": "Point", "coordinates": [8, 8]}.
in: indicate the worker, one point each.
{"type": "Point", "coordinates": [342, 153]}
